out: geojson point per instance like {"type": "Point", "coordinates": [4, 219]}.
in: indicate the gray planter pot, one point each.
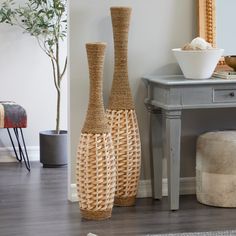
{"type": "Point", "coordinates": [53, 148]}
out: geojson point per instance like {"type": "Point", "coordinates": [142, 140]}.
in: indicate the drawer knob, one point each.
{"type": "Point", "coordinates": [232, 94]}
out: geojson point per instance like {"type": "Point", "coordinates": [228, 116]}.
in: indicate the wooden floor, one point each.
{"type": "Point", "coordinates": [33, 204]}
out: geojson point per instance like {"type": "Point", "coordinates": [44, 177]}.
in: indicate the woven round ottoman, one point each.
{"type": "Point", "coordinates": [216, 169]}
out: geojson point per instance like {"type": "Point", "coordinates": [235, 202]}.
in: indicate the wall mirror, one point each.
{"type": "Point", "coordinates": [216, 24]}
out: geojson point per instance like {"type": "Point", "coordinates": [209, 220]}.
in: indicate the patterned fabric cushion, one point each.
{"type": "Point", "coordinates": [12, 115]}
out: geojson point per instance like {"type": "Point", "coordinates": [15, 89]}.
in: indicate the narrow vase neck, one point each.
{"type": "Point", "coordinates": [96, 121]}
{"type": "Point", "coordinates": [121, 97]}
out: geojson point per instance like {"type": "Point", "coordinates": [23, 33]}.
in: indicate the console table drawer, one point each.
{"type": "Point", "coordinates": [224, 95]}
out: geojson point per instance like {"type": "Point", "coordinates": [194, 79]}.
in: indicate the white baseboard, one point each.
{"type": "Point", "coordinates": [187, 186]}
{"type": "Point", "coordinates": [72, 194]}
{"type": "Point", "coordinates": [7, 154]}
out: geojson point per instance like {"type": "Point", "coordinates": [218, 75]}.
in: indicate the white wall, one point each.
{"type": "Point", "coordinates": [156, 27]}
{"type": "Point", "coordinates": [225, 35]}
{"type": "Point", "coordinates": [26, 78]}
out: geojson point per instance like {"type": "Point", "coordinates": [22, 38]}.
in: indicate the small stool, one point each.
{"type": "Point", "coordinates": [216, 168]}
{"type": "Point", "coordinates": [14, 116]}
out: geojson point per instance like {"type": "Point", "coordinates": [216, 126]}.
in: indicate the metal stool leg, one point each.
{"type": "Point", "coordinates": [19, 144]}
{"type": "Point", "coordinates": [26, 153]}
{"type": "Point", "coordinates": [19, 158]}
{"type": "Point", "coordinates": [23, 154]}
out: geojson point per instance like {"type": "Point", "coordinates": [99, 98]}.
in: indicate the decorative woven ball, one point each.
{"type": "Point", "coordinates": [216, 168]}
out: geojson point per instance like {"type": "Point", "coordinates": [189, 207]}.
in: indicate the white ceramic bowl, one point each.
{"type": "Point", "coordinates": [199, 64]}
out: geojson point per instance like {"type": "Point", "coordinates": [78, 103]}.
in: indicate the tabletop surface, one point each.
{"type": "Point", "coordinates": [181, 80]}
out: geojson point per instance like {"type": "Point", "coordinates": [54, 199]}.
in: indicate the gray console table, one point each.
{"type": "Point", "coordinates": [167, 96]}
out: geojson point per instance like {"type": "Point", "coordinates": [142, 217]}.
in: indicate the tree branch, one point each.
{"type": "Point", "coordinates": [58, 64]}
{"type": "Point", "coordinates": [54, 76]}
{"type": "Point", "coordinates": [64, 69]}
{"type": "Point", "coordinates": [43, 48]}
{"type": "Point", "coordinates": [50, 50]}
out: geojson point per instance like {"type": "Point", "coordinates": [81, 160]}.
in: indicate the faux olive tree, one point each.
{"type": "Point", "coordinates": [45, 20]}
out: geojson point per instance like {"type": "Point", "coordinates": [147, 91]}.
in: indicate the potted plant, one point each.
{"type": "Point", "coordinates": [46, 20]}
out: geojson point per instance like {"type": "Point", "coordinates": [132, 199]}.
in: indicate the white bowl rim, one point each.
{"type": "Point", "coordinates": [196, 51]}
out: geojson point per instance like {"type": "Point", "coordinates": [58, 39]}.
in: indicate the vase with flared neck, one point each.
{"type": "Point", "coordinates": [121, 114]}
{"type": "Point", "coordinates": [96, 167]}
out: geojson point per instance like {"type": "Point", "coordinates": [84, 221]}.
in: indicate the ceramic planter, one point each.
{"type": "Point", "coordinates": [53, 148]}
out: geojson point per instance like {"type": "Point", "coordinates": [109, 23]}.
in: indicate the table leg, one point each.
{"type": "Point", "coordinates": [172, 133]}
{"type": "Point", "coordinates": [157, 153]}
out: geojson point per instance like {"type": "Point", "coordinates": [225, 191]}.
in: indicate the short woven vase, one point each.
{"type": "Point", "coordinates": [96, 167]}
{"type": "Point", "coordinates": [121, 115]}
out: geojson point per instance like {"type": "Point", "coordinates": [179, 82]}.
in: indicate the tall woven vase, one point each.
{"type": "Point", "coordinates": [96, 167]}
{"type": "Point", "coordinates": [121, 115]}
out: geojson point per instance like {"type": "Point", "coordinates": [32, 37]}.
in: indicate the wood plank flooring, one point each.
{"type": "Point", "coordinates": [35, 204]}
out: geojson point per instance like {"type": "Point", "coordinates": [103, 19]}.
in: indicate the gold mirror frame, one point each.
{"type": "Point", "coordinates": [207, 24]}
{"type": "Point", "coordinates": [207, 20]}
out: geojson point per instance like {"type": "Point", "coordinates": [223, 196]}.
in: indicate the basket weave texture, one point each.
{"type": "Point", "coordinates": [96, 176]}
{"type": "Point", "coordinates": [121, 114]}
{"type": "Point", "coordinates": [96, 169]}
{"type": "Point", "coordinates": [126, 141]}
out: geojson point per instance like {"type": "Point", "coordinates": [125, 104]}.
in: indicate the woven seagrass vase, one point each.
{"type": "Point", "coordinates": [96, 167]}
{"type": "Point", "coordinates": [121, 114]}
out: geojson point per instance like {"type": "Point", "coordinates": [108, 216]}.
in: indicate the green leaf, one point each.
{"type": "Point", "coordinates": [44, 19]}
